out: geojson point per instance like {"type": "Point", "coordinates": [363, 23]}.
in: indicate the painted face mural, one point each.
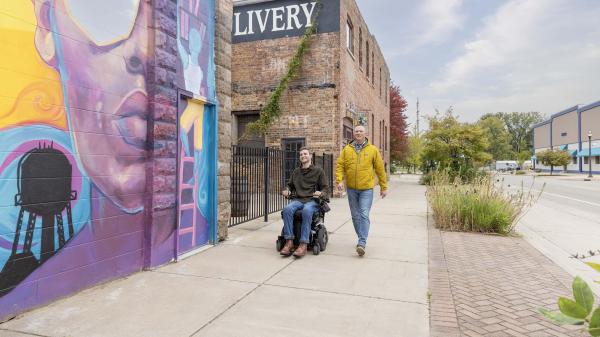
{"type": "Point", "coordinates": [73, 113]}
{"type": "Point", "coordinates": [102, 64]}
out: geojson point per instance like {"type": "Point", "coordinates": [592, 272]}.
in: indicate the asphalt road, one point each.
{"type": "Point", "coordinates": [565, 219]}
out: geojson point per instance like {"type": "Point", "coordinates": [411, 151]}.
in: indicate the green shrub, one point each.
{"type": "Point", "coordinates": [477, 206]}
{"type": "Point", "coordinates": [579, 311]}
{"type": "Point", "coordinates": [520, 172]}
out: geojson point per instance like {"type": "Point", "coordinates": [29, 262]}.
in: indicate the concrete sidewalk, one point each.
{"type": "Point", "coordinates": [243, 287]}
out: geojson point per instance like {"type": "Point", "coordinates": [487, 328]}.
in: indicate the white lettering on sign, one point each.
{"type": "Point", "coordinates": [237, 25]}
{"type": "Point", "coordinates": [293, 12]}
{"type": "Point", "coordinates": [307, 13]}
{"type": "Point", "coordinates": [278, 18]}
{"type": "Point", "coordinates": [262, 24]}
{"type": "Point", "coordinates": [283, 18]}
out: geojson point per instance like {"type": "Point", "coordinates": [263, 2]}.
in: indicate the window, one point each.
{"type": "Point", "coordinates": [243, 118]}
{"type": "Point", "coordinates": [367, 63]}
{"type": "Point", "coordinates": [381, 135]}
{"type": "Point", "coordinates": [373, 68]}
{"type": "Point", "coordinates": [563, 134]}
{"type": "Point", "coordinates": [360, 48]}
{"type": "Point", "coordinates": [350, 36]}
{"type": "Point", "coordinates": [597, 159]}
{"type": "Point", "coordinates": [379, 82]}
{"type": "Point", "coordinates": [372, 129]}
{"type": "Point", "coordinates": [347, 130]}
{"type": "Point", "coordinates": [574, 160]}
{"type": "Point", "coordinates": [585, 160]}
{"type": "Point", "coordinates": [386, 138]}
{"type": "Point", "coordinates": [291, 146]}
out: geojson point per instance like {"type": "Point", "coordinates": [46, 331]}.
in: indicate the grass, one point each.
{"type": "Point", "coordinates": [478, 206]}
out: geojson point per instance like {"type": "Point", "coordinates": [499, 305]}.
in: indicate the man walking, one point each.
{"type": "Point", "coordinates": [307, 182]}
{"type": "Point", "coordinates": [356, 164]}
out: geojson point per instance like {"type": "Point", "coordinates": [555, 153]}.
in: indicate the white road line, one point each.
{"type": "Point", "coordinates": [565, 197]}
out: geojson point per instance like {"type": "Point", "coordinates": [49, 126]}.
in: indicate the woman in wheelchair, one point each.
{"type": "Point", "coordinates": [308, 189]}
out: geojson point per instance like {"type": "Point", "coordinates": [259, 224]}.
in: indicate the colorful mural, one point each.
{"type": "Point", "coordinates": [73, 109]}
{"type": "Point", "coordinates": [196, 216]}
{"type": "Point", "coordinates": [74, 112]}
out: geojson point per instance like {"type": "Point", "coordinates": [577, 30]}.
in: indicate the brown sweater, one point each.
{"type": "Point", "coordinates": [305, 181]}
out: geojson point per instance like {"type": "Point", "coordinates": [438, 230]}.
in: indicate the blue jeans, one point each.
{"type": "Point", "coordinates": [308, 209]}
{"type": "Point", "coordinates": [360, 205]}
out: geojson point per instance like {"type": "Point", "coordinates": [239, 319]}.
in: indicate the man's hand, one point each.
{"type": "Point", "coordinates": [286, 193]}
{"type": "Point", "coordinates": [382, 193]}
{"type": "Point", "coordinates": [340, 187]}
{"type": "Point", "coordinates": [317, 194]}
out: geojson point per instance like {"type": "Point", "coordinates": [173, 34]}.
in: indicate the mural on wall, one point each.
{"type": "Point", "coordinates": [195, 35]}
{"type": "Point", "coordinates": [197, 124]}
{"type": "Point", "coordinates": [73, 110]}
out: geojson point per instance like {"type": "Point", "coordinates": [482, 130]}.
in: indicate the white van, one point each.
{"type": "Point", "coordinates": [506, 165]}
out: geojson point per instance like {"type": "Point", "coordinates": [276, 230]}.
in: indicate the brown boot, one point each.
{"type": "Point", "coordinates": [301, 250]}
{"type": "Point", "coordinates": [287, 248]}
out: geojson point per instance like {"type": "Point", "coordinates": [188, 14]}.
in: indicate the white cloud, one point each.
{"type": "Point", "coordinates": [441, 18]}
{"type": "Point", "coordinates": [430, 23]}
{"type": "Point", "coordinates": [529, 55]}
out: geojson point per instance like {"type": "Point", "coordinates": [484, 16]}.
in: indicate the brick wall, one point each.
{"type": "Point", "coordinates": [224, 10]}
{"type": "Point", "coordinates": [356, 90]}
{"type": "Point", "coordinates": [330, 82]}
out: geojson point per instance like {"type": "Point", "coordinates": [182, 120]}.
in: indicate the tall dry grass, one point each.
{"type": "Point", "coordinates": [478, 206]}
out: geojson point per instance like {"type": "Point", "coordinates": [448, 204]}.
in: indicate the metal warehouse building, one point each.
{"type": "Point", "coordinates": [575, 130]}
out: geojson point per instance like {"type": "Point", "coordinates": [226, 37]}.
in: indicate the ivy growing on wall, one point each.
{"type": "Point", "coordinates": [272, 110]}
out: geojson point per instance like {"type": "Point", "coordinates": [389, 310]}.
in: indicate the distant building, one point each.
{"type": "Point", "coordinates": [568, 130]}
{"type": "Point", "coordinates": [343, 82]}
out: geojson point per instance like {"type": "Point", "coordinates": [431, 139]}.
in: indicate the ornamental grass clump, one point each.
{"type": "Point", "coordinates": [477, 206]}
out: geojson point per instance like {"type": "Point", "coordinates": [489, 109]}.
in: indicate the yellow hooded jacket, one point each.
{"type": "Point", "coordinates": [358, 168]}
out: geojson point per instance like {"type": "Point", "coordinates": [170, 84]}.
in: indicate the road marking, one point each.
{"type": "Point", "coordinates": [565, 197]}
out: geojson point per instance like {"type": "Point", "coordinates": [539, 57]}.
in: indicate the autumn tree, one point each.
{"type": "Point", "coordinates": [398, 125]}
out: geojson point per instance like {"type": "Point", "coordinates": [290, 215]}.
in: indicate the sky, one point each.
{"type": "Point", "coordinates": [485, 56]}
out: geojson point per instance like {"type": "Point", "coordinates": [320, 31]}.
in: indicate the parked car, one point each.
{"type": "Point", "coordinates": [506, 165]}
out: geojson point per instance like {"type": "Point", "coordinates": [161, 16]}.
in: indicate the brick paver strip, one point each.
{"type": "Point", "coordinates": [488, 285]}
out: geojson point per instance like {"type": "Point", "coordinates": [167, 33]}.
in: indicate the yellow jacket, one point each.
{"type": "Point", "coordinates": [358, 168]}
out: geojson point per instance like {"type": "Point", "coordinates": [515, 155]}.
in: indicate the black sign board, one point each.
{"type": "Point", "coordinates": [282, 18]}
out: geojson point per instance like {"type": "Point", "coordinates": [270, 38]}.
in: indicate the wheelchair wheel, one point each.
{"type": "Point", "coordinates": [322, 238]}
{"type": "Point", "coordinates": [279, 244]}
{"type": "Point", "coordinates": [316, 249]}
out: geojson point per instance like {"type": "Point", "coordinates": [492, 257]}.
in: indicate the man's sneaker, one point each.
{"type": "Point", "coordinates": [360, 250]}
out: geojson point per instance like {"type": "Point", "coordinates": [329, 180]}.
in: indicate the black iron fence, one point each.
{"type": "Point", "coordinates": [258, 175]}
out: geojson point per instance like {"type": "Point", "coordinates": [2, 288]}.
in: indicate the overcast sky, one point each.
{"type": "Point", "coordinates": [483, 56]}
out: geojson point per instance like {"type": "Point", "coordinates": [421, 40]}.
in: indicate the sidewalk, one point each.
{"type": "Point", "coordinates": [488, 285]}
{"type": "Point", "coordinates": [243, 287]}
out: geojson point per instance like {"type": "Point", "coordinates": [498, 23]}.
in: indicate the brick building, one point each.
{"type": "Point", "coordinates": [343, 81]}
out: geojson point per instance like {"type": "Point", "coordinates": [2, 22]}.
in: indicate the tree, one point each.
{"type": "Point", "coordinates": [522, 157]}
{"type": "Point", "coordinates": [498, 137]}
{"type": "Point", "coordinates": [415, 149]}
{"type": "Point", "coordinates": [520, 128]}
{"type": "Point", "coordinates": [454, 146]}
{"type": "Point", "coordinates": [398, 125]}
{"type": "Point", "coordinates": [554, 158]}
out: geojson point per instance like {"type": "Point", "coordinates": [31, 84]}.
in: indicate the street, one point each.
{"type": "Point", "coordinates": [564, 221]}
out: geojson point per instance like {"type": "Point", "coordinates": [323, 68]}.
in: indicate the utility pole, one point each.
{"type": "Point", "coordinates": [417, 117]}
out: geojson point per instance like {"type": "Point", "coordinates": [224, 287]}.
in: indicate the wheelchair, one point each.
{"type": "Point", "coordinates": [318, 236]}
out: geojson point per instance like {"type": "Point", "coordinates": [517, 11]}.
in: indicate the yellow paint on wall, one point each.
{"type": "Point", "coordinates": [193, 115]}
{"type": "Point", "coordinates": [30, 90]}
